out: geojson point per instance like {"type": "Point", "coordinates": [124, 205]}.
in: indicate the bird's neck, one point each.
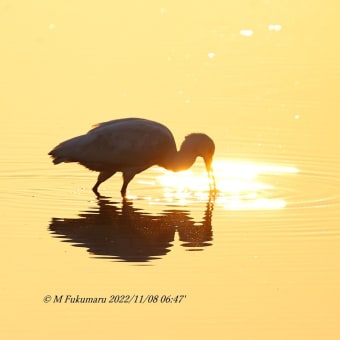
{"type": "Point", "coordinates": [181, 160]}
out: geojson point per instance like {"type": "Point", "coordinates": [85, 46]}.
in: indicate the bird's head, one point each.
{"type": "Point", "coordinates": [203, 146]}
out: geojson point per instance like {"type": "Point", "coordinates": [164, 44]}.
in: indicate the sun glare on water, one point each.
{"type": "Point", "coordinates": [240, 185]}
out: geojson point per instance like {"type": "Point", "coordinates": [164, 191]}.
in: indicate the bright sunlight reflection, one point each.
{"type": "Point", "coordinates": [240, 185]}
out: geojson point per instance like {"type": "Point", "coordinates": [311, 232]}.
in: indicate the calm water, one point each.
{"type": "Point", "coordinates": [258, 260]}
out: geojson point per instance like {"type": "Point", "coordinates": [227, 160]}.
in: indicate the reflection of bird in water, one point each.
{"type": "Point", "coordinates": [130, 146]}
{"type": "Point", "coordinates": [128, 234]}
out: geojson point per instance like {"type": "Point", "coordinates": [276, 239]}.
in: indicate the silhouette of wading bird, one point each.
{"type": "Point", "coordinates": [132, 145]}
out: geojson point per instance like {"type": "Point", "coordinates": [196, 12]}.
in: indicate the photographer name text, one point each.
{"type": "Point", "coordinates": [116, 299]}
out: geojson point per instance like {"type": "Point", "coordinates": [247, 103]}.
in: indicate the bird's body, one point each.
{"type": "Point", "coordinates": [130, 146]}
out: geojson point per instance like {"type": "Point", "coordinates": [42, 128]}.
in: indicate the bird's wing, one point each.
{"type": "Point", "coordinates": [118, 122]}
{"type": "Point", "coordinates": [130, 142]}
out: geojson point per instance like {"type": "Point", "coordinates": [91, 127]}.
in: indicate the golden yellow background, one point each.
{"type": "Point", "coordinates": [259, 76]}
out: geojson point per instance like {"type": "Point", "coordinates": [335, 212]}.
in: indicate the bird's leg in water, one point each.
{"type": "Point", "coordinates": [127, 176]}
{"type": "Point", "coordinates": [103, 176]}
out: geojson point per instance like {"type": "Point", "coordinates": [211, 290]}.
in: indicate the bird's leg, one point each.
{"type": "Point", "coordinates": [103, 176]}
{"type": "Point", "coordinates": [127, 176]}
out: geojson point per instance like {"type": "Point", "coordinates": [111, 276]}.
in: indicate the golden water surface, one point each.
{"type": "Point", "coordinates": [258, 260]}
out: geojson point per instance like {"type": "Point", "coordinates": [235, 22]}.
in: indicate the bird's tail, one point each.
{"type": "Point", "coordinates": [68, 151]}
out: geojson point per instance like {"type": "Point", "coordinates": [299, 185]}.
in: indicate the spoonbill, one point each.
{"type": "Point", "coordinates": [132, 145]}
